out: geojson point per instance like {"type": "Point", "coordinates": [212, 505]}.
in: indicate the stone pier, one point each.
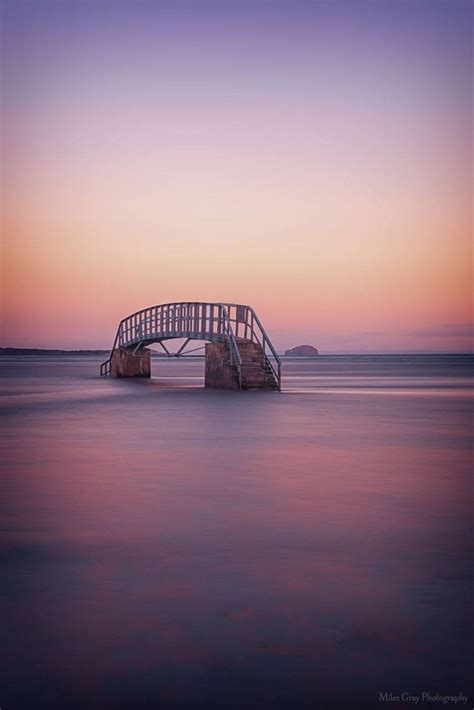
{"type": "Point", "coordinates": [218, 372]}
{"type": "Point", "coordinates": [127, 364]}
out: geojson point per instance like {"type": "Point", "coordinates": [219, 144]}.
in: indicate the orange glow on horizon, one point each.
{"type": "Point", "coordinates": [338, 205]}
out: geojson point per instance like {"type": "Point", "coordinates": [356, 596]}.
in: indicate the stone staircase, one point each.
{"type": "Point", "coordinates": [255, 375]}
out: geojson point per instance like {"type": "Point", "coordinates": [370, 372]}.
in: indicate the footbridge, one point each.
{"type": "Point", "coordinates": [238, 351]}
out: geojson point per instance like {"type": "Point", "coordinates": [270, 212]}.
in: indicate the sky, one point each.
{"type": "Point", "coordinates": [310, 159]}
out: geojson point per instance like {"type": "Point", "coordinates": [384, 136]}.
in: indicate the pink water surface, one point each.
{"type": "Point", "coordinates": [164, 545]}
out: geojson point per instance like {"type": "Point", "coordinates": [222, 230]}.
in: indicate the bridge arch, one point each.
{"type": "Point", "coordinates": [239, 353]}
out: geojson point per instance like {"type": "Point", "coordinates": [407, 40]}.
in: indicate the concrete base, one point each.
{"type": "Point", "coordinates": [256, 375]}
{"type": "Point", "coordinates": [218, 372]}
{"type": "Point", "coordinates": [125, 364]}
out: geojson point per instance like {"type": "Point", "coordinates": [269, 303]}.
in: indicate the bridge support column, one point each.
{"type": "Point", "coordinates": [218, 372]}
{"type": "Point", "coordinates": [126, 363]}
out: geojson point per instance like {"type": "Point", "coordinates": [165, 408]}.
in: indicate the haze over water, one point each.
{"type": "Point", "coordinates": [170, 546]}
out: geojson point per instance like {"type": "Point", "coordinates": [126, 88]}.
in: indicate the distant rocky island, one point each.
{"type": "Point", "coordinates": [302, 351]}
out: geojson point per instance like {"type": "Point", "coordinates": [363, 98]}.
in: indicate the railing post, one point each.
{"type": "Point", "coordinates": [195, 318]}
{"type": "Point", "coordinates": [211, 320]}
{"type": "Point", "coordinates": [203, 320]}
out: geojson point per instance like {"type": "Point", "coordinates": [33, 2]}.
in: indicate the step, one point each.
{"type": "Point", "coordinates": [256, 371]}
{"type": "Point", "coordinates": [256, 363]}
{"type": "Point", "coordinates": [257, 376]}
{"type": "Point", "coordinates": [258, 379]}
{"type": "Point", "coordinates": [251, 351]}
{"type": "Point", "coordinates": [256, 387]}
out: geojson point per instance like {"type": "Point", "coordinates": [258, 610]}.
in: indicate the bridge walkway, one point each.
{"type": "Point", "coordinates": [239, 352]}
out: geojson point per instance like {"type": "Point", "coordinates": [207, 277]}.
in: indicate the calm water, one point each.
{"type": "Point", "coordinates": [169, 546]}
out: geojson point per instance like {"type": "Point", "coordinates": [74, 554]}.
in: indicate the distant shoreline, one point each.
{"type": "Point", "coordinates": [54, 352]}
{"type": "Point", "coordinates": [5, 352]}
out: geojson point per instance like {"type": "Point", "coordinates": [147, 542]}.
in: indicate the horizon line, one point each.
{"type": "Point", "coordinates": [282, 354]}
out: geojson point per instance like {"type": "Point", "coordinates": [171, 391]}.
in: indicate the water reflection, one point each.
{"type": "Point", "coordinates": [182, 548]}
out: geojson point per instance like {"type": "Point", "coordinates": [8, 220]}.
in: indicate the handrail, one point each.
{"type": "Point", "coordinates": [106, 367]}
{"type": "Point", "coordinates": [248, 321]}
{"type": "Point", "coordinates": [198, 320]}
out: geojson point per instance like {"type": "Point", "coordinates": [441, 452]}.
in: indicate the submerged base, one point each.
{"type": "Point", "coordinates": [255, 374]}
{"type": "Point", "coordinates": [218, 371]}
{"type": "Point", "coordinates": [127, 364]}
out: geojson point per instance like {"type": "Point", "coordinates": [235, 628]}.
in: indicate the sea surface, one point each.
{"type": "Point", "coordinates": [167, 546]}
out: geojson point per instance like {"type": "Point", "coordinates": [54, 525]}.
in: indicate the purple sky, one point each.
{"type": "Point", "coordinates": [310, 158]}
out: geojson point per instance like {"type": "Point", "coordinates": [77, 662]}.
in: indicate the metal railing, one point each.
{"type": "Point", "coordinates": [214, 322]}
{"type": "Point", "coordinates": [106, 367]}
{"type": "Point", "coordinates": [247, 326]}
